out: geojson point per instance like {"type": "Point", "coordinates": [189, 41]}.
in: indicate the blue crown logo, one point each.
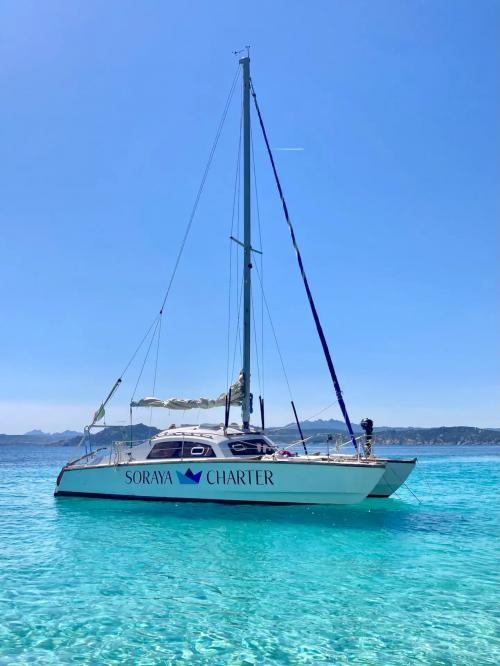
{"type": "Point", "coordinates": [189, 477]}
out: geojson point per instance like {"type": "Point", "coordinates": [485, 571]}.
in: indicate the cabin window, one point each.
{"type": "Point", "coordinates": [179, 449]}
{"type": "Point", "coordinates": [166, 450]}
{"type": "Point", "coordinates": [198, 450]}
{"type": "Point", "coordinates": [253, 447]}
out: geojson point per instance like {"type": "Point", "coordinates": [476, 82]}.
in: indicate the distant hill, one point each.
{"type": "Point", "coordinates": [52, 435]}
{"type": "Point", "coordinates": [455, 435]}
{"type": "Point", "coordinates": [67, 433]}
{"type": "Point", "coordinates": [321, 424]}
{"type": "Point", "coordinates": [458, 435]}
{"type": "Point", "coordinates": [319, 430]}
{"type": "Point", "coordinates": [334, 424]}
{"type": "Point", "coordinates": [39, 437]}
{"type": "Point", "coordinates": [115, 434]}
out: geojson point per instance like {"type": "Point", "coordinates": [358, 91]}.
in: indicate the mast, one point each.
{"type": "Point", "coordinates": [247, 252]}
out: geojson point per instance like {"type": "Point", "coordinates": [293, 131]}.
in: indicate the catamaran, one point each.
{"type": "Point", "coordinates": [228, 462]}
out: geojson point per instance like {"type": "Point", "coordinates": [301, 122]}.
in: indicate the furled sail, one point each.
{"type": "Point", "coordinates": [237, 391]}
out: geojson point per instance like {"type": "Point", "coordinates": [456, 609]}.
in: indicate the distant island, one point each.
{"type": "Point", "coordinates": [408, 436]}
{"type": "Point", "coordinates": [318, 430]}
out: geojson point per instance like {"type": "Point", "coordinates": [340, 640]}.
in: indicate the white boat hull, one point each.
{"type": "Point", "coordinates": [396, 473]}
{"type": "Point", "coordinates": [234, 481]}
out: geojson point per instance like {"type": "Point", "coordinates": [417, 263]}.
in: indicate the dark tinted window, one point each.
{"type": "Point", "coordinates": [179, 449]}
{"type": "Point", "coordinates": [195, 450]}
{"type": "Point", "coordinates": [253, 447]}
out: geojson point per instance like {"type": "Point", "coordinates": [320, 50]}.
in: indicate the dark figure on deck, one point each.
{"type": "Point", "coordinates": [367, 425]}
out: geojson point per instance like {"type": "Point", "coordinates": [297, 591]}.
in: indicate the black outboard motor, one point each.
{"type": "Point", "coordinates": [367, 425]}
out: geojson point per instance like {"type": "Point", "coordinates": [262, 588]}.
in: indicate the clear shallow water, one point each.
{"type": "Point", "coordinates": [386, 582]}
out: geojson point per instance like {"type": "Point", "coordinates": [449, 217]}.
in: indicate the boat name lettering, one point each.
{"type": "Point", "coordinates": [145, 476]}
{"type": "Point", "coordinates": [240, 477]}
{"type": "Point", "coordinates": [215, 477]}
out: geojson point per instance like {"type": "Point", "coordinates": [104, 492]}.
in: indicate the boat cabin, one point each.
{"type": "Point", "coordinates": [185, 443]}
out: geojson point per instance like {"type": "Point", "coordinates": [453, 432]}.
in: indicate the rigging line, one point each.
{"type": "Point", "coordinates": [193, 212]}
{"type": "Point", "coordinates": [157, 354]}
{"type": "Point", "coordinates": [119, 380]}
{"type": "Point", "coordinates": [261, 257]}
{"type": "Point", "coordinates": [256, 348]}
{"type": "Point", "coordinates": [239, 290]}
{"type": "Point", "coordinates": [309, 417]}
{"type": "Point", "coordinates": [256, 191]}
{"type": "Point", "coordinates": [274, 334]}
{"type": "Point", "coordinates": [314, 312]}
{"type": "Point", "coordinates": [158, 319]}
{"type": "Point", "coordinates": [235, 195]}
{"type": "Point", "coordinates": [238, 207]}
{"type": "Point", "coordinates": [228, 332]}
{"type": "Point", "coordinates": [237, 339]}
{"type": "Point", "coordinates": [139, 347]}
{"type": "Point", "coordinates": [156, 365]}
{"type": "Point", "coordinates": [411, 491]}
{"type": "Point", "coordinates": [238, 336]}
{"type": "Point", "coordinates": [320, 412]}
{"type": "Point", "coordinates": [202, 184]}
{"type": "Point", "coordinates": [403, 483]}
{"type": "Point", "coordinates": [257, 356]}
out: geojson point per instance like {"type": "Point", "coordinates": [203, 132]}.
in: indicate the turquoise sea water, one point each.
{"type": "Point", "coordinates": [385, 582]}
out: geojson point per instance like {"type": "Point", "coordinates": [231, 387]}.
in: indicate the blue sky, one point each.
{"type": "Point", "coordinates": [107, 116]}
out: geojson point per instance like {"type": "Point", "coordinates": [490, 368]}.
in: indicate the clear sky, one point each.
{"type": "Point", "coordinates": [107, 115]}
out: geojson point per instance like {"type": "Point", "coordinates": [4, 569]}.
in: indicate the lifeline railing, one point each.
{"type": "Point", "coordinates": [120, 446]}
{"type": "Point", "coordinates": [338, 446]}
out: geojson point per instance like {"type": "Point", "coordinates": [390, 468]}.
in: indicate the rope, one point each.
{"type": "Point", "coordinates": [194, 209]}
{"type": "Point", "coordinates": [238, 335]}
{"type": "Point", "coordinates": [156, 366]}
{"type": "Point", "coordinates": [274, 335]}
{"type": "Point", "coordinates": [239, 259]}
{"type": "Point", "coordinates": [138, 348]}
{"type": "Point", "coordinates": [406, 486]}
{"type": "Point", "coordinates": [202, 184]}
{"type": "Point", "coordinates": [261, 259]}
{"type": "Point", "coordinates": [236, 194]}
{"type": "Point", "coordinates": [315, 315]}
{"type": "Point", "coordinates": [256, 348]}
{"type": "Point", "coordinates": [157, 320]}
{"type": "Point", "coordinates": [145, 358]}
{"type": "Point", "coordinates": [157, 354]}
{"type": "Point", "coordinates": [309, 418]}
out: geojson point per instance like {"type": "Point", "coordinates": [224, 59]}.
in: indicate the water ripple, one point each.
{"type": "Point", "coordinates": [386, 582]}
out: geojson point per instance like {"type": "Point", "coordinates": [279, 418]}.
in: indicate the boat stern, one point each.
{"type": "Point", "coordinates": [395, 475]}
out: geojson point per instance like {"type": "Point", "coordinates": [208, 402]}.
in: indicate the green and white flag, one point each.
{"type": "Point", "coordinates": [99, 415]}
